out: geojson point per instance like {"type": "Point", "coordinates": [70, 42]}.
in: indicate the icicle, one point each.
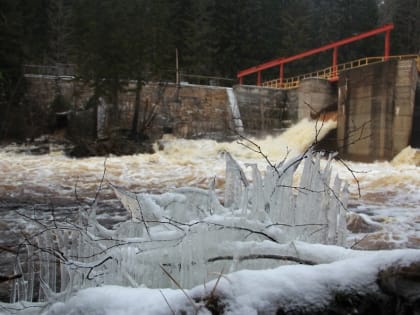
{"type": "Point", "coordinates": [257, 196]}
{"type": "Point", "coordinates": [19, 292]}
{"type": "Point", "coordinates": [44, 270]}
{"type": "Point", "coordinates": [235, 184]}
{"type": "Point", "coordinates": [280, 195]}
{"type": "Point", "coordinates": [129, 202]}
{"type": "Point", "coordinates": [63, 242]}
{"type": "Point", "coordinates": [332, 215]}
{"type": "Point", "coordinates": [31, 273]}
{"type": "Point", "coordinates": [342, 223]}
{"type": "Point", "coordinates": [213, 204]}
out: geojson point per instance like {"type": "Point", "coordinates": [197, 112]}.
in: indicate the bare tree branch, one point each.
{"type": "Point", "coordinates": [259, 256]}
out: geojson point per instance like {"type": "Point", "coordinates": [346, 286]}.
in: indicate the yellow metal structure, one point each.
{"type": "Point", "coordinates": [332, 73]}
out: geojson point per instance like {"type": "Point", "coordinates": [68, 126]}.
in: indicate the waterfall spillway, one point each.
{"type": "Point", "coordinates": [236, 115]}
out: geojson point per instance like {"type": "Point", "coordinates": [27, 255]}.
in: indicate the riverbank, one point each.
{"type": "Point", "coordinates": [79, 148]}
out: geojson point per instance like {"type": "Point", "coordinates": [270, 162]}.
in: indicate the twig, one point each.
{"type": "Point", "coordinates": [4, 278]}
{"type": "Point", "coordinates": [257, 149]}
{"type": "Point", "coordinates": [179, 287]}
{"type": "Point", "coordinates": [100, 183]}
{"type": "Point", "coordinates": [352, 172]}
{"type": "Point", "coordinates": [295, 225]}
{"type": "Point", "coordinates": [142, 218]}
{"type": "Point", "coordinates": [93, 267]}
{"type": "Point", "coordinates": [8, 249]}
{"type": "Point", "coordinates": [358, 241]}
{"type": "Point", "coordinates": [244, 229]}
{"type": "Point", "coordinates": [261, 256]}
{"type": "Point", "coordinates": [167, 302]}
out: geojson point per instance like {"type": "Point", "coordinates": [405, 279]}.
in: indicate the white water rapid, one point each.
{"type": "Point", "coordinates": [180, 163]}
{"type": "Point", "coordinates": [389, 191]}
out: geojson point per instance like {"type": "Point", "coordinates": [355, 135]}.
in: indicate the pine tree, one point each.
{"type": "Point", "coordinates": [59, 31]}
{"type": "Point", "coordinates": [11, 62]}
{"type": "Point", "coordinates": [337, 19]}
{"type": "Point", "coordinates": [296, 27]}
{"type": "Point", "coordinates": [35, 30]}
{"type": "Point", "coordinates": [181, 21]}
{"type": "Point", "coordinates": [406, 17]}
{"type": "Point", "coordinates": [200, 50]}
{"type": "Point", "coordinates": [158, 51]}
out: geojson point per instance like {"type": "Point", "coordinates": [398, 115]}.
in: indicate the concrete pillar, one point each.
{"type": "Point", "coordinates": [375, 110]}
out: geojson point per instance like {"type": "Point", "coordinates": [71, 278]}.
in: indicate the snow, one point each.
{"type": "Point", "coordinates": [120, 300]}
{"type": "Point", "coordinates": [249, 291]}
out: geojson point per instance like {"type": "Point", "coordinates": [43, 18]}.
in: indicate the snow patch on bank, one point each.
{"type": "Point", "coordinates": [249, 292]}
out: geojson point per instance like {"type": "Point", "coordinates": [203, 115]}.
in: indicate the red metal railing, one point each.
{"type": "Point", "coordinates": [332, 74]}
{"type": "Point", "coordinates": [280, 62]}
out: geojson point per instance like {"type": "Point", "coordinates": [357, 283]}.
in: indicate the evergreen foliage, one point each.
{"type": "Point", "coordinates": [107, 38]}
{"type": "Point", "coordinates": [111, 41]}
{"type": "Point", "coordinates": [214, 37]}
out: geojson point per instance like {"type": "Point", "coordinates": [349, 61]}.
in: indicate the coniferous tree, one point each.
{"type": "Point", "coordinates": [35, 30]}
{"type": "Point", "coordinates": [199, 46]}
{"type": "Point", "coordinates": [236, 35]}
{"type": "Point", "coordinates": [11, 76]}
{"type": "Point", "coordinates": [59, 31]}
{"type": "Point", "coordinates": [296, 28]}
{"type": "Point", "coordinates": [406, 17]}
{"type": "Point", "coordinates": [337, 19]}
{"type": "Point", "coordinates": [101, 51]}
{"type": "Point", "coordinates": [180, 32]}
{"type": "Point", "coordinates": [158, 50]}
{"type": "Point", "coordinates": [224, 18]}
{"type": "Point", "coordinates": [272, 27]}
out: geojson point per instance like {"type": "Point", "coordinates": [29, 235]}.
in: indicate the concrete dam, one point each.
{"type": "Point", "coordinates": [377, 109]}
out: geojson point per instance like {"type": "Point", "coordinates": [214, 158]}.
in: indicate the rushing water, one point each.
{"type": "Point", "coordinates": [55, 184]}
{"type": "Point", "coordinates": [180, 163]}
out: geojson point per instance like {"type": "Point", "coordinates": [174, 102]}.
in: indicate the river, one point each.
{"type": "Point", "coordinates": [385, 194]}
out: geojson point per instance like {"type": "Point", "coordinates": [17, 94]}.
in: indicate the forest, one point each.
{"type": "Point", "coordinates": [110, 41]}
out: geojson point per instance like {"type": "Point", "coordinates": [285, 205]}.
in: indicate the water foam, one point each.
{"type": "Point", "coordinates": [408, 155]}
{"type": "Point", "coordinates": [196, 163]}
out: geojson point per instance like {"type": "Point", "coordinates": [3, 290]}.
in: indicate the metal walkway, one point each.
{"type": "Point", "coordinates": [332, 73]}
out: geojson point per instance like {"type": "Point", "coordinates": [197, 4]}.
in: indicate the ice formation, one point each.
{"type": "Point", "coordinates": [190, 234]}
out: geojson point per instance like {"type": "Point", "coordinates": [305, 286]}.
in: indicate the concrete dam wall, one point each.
{"type": "Point", "coordinates": [188, 111]}
{"type": "Point", "coordinates": [377, 108]}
